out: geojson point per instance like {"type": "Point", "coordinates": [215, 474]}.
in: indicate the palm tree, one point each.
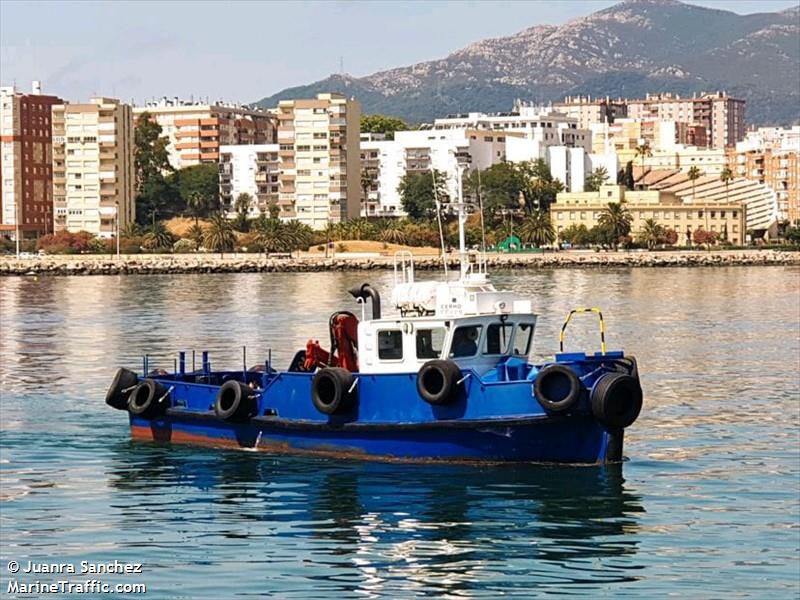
{"type": "Point", "coordinates": [366, 185]}
{"type": "Point", "coordinates": [219, 236]}
{"type": "Point", "coordinates": [298, 235]}
{"type": "Point", "coordinates": [652, 233]}
{"type": "Point", "coordinates": [391, 231]}
{"type": "Point", "coordinates": [197, 204]}
{"type": "Point", "coordinates": [359, 229]}
{"type": "Point", "coordinates": [694, 174]}
{"type": "Point", "coordinates": [271, 235]}
{"type": "Point", "coordinates": [196, 233]}
{"type": "Point", "coordinates": [726, 177]}
{"type": "Point", "coordinates": [618, 219]}
{"type": "Point", "coordinates": [643, 151]}
{"type": "Point", "coordinates": [157, 237]}
{"type": "Point", "coordinates": [537, 229]}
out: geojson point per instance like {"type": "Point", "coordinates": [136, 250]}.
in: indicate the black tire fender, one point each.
{"type": "Point", "coordinates": [616, 400]}
{"type": "Point", "coordinates": [437, 381]}
{"type": "Point", "coordinates": [148, 399]}
{"type": "Point", "coordinates": [122, 384]}
{"type": "Point", "coordinates": [235, 401]}
{"type": "Point", "coordinates": [330, 390]}
{"type": "Point", "coordinates": [557, 388]}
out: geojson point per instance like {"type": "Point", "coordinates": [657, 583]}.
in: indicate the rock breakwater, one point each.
{"type": "Point", "coordinates": [194, 263]}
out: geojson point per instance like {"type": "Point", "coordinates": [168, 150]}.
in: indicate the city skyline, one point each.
{"type": "Point", "coordinates": [125, 59]}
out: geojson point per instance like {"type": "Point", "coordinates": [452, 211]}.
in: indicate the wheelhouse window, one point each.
{"type": "Point", "coordinates": [430, 342]}
{"type": "Point", "coordinates": [523, 339]}
{"type": "Point", "coordinates": [498, 338]}
{"type": "Point", "coordinates": [390, 344]}
{"type": "Point", "coordinates": [465, 341]}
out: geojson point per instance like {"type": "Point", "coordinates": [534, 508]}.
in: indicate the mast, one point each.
{"type": "Point", "coordinates": [461, 166]}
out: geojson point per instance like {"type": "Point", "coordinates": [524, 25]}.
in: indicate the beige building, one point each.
{"type": "Point", "coordinates": [667, 209]}
{"type": "Point", "coordinates": [721, 116]}
{"type": "Point", "coordinates": [196, 131]}
{"type": "Point", "coordinates": [93, 170]}
{"type": "Point", "coordinates": [319, 157]}
{"type": "Point", "coordinates": [26, 178]}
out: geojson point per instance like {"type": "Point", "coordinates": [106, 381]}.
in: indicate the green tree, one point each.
{"type": "Point", "coordinates": [158, 237]}
{"type": "Point", "coordinates": [196, 234]}
{"type": "Point", "coordinates": [604, 235]}
{"type": "Point", "coordinates": [500, 187]}
{"type": "Point", "coordinates": [539, 187]}
{"type": "Point", "coordinates": [617, 218]}
{"type": "Point", "coordinates": [694, 174]}
{"type": "Point", "coordinates": [652, 233]}
{"type": "Point", "coordinates": [154, 195]}
{"type": "Point", "coordinates": [382, 124]}
{"type": "Point", "coordinates": [271, 235]}
{"type": "Point", "coordinates": [219, 235]}
{"type": "Point", "coordinates": [575, 235]}
{"type": "Point", "coordinates": [418, 195]}
{"type": "Point", "coordinates": [536, 228]}
{"type": "Point", "coordinates": [595, 179]}
{"type": "Point", "coordinates": [198, 186]}
{"type": "Point", "coordinates": [242, 206]}
{"type": "Point", "coordinates": [391, 231]}
{"type": "Point", "coordinates": [627, 178]}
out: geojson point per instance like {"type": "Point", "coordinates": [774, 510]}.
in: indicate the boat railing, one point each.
{"type": "Point", "coordinates": [403, 267]}
{"type": "Point", "coordinates": [574, 311]}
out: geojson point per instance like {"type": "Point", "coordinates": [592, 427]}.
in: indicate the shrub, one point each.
{"type": "Point", "coordinates": [184, 245]}
{"type": "Point", "coordinates": [341, 247]}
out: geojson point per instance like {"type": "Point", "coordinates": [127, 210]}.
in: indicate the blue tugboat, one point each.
{"type": "Point", "coordinates": [445, 378]}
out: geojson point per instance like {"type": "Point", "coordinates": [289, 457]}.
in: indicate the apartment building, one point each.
{"type": "Point", "coordinates": [727, 218]}
{"type": "Point", "coordinates": [721, 116]}
{"type": "Point", "coordinates": [545, 126]}
{"type": "Point", "coordinates": [624, 136]}
{"type": "Point", "coordinates": [588, 111]}
{"type": "Point", "coordinates": [93, 169]}
{"type": "Point", "coordinates": [26, 176]}
{"type": "Point", "coordinates": [769, 155]}
{"type": "Point", "coordinates": [197, 130]}
{"type": "Point", "coordinates": [251, 169]}
{"type": "Point", "coordinates": [319, 159]}
{"type": "Point", "coordinates": [386, 162]}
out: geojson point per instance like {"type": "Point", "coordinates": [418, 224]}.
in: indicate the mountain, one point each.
{"type": "Point", "coordinates": [627, 50]}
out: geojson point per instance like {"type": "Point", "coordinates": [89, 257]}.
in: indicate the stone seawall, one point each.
{"type": "Point", "coordinates": [249, 263]}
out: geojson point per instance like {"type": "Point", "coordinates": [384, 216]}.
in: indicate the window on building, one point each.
{"type": "Point", "coordinates": [713, 214]}
{"type": "Point", "coordinates": [465, 341]}
{"type": "Point", "coordinates": [498, 338]}
{"type": "Point", "coordinates": [430, 342]}
{"type": "Point", "coordinates": [735, 215]}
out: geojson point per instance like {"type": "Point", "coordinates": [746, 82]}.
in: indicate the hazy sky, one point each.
{"type": "Point", "coordinates": [243, 51]}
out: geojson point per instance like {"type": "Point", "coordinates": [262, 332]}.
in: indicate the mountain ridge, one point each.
{"type": "Point", "coordinates": [626, 50]}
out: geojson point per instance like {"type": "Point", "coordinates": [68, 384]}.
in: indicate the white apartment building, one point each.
{"type": "Point", "coordinates": [771, 138]}
{"type": "Point", "coordinates": [386, 162]}
{"type": "Point", "coordinates": [93, 170]}
{"type": "Point", "coordinates": [319, 158]}
{"type": "Point", "coordinates": [250, 169]}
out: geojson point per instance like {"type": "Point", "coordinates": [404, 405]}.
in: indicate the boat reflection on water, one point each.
{"type": "Point", "coordinates": [387, 527]}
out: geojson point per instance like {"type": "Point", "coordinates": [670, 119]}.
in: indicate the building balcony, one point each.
{"type": "Point", "coordinates": [187, 123]}
{"type": "Point", "coordinates": [209, 133]}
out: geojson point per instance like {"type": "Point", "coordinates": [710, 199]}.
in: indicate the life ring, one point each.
{"type": "Point", "coordinates": [148, 399]}
{"type": "Point", "coordinates": [557, 388]}
{"type": "Point", "coordinates": [616, 400]}
{"type": "Point", "coordinates": [235, 401]}
{"type": "Point", "coordinates": [330, 390]}
{"type": "Point", "coordinates": [121, 385]}
{"type": "Point", "coordinates": [437, 381]}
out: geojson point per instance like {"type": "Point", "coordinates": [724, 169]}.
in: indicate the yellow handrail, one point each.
{"type": "Point", "coordinates": [584, 310]}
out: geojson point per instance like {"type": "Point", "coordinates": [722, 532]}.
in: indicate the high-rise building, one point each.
{"type": "Point", "coordinates": [319, 158]}
{"type": "Point", "coordinates": [197, 130]}
{"type": "Point", "coordinates": [26, 177]}
{"type": "Point", "coordinates": [721, 115]}
{"type": "Point", "coordinates": [93, 170]}
{"type": "Point", "coordinates": [253, 170]}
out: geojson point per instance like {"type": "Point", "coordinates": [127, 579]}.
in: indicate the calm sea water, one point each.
{"type": "Point", "coordinates": [708, 505]}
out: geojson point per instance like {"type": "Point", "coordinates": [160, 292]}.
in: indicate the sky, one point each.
{"type": "Point", "coordinates": [244, 51]}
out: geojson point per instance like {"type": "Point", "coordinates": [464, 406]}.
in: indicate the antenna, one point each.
{"type": "Point", "coordinates": [439, 219]}
{"type": "Point", "coordinates": [483, 229]}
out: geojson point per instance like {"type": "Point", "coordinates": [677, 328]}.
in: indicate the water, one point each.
{"type": "Point", "coordinates": [708, 506]}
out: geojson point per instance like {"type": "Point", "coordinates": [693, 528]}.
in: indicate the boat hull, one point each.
{"type": "Point", "coordinates": [524, 439]}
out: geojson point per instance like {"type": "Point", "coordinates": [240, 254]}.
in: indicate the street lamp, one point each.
{"type": "Point", "coordinates": [116, 218]}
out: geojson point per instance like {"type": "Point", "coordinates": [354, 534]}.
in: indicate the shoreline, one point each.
{"type": "Point", "coordinates": [163, 264]}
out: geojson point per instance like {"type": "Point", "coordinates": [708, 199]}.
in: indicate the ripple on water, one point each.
{"type": "Point", "coordinates": [707, 505]}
